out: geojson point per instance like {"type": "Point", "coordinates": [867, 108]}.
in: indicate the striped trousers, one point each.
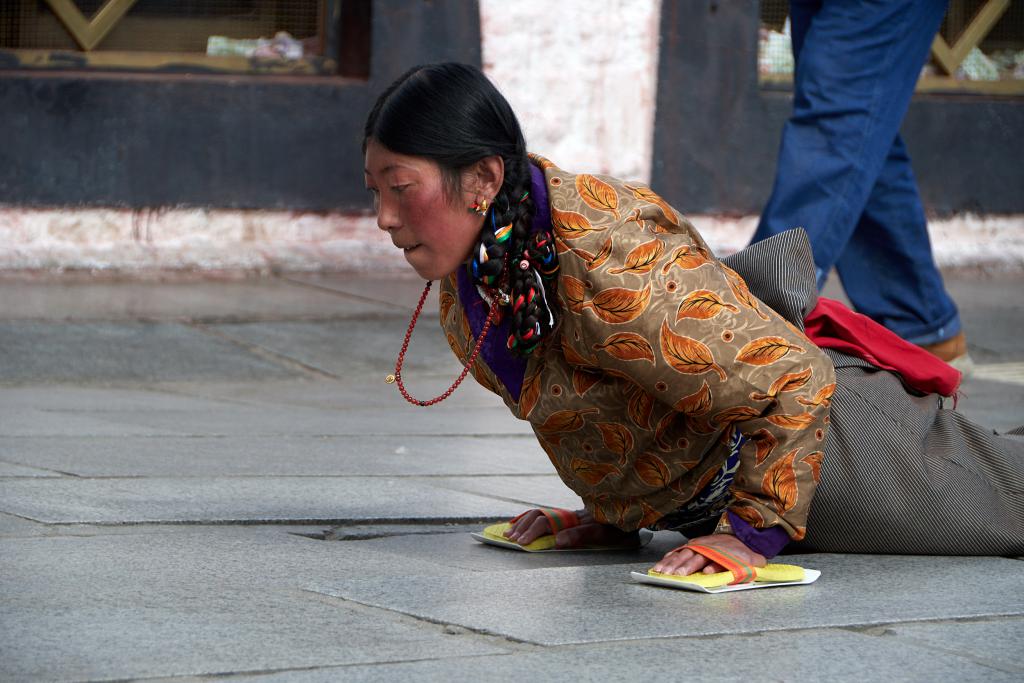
{"type": "Point", "coordinates": [901, 474]}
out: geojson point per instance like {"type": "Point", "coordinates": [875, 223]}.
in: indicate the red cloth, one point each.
{"type": "Point", "coordinates": [834, 326]}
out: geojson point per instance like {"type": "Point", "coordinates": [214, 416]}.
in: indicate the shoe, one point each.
{"type": "Point", "coordinates": [954, 352]}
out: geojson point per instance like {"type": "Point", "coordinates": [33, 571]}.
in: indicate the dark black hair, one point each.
{"type": "Point", "coordinates": [453, 115]}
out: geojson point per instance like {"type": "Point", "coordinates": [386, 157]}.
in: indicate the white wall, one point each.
{"type": "Point", "coordinates": [581, 76]}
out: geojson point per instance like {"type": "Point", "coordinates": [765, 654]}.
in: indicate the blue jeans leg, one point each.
{"type": "Point", "coordinates": [856, 66]}
{"type": "Point", "coordinates": [891, 272]}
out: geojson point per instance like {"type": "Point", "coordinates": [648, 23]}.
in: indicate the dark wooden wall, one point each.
{"type": "Point", "coordinates": [71, 138]}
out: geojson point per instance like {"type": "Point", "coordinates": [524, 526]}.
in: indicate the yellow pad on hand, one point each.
{"type": "Point", "coordinates": [768, 576]}
{"type": "Point", "coordinates": [496, 533]}
{"type": "Point", "coordinates": [770, 573]}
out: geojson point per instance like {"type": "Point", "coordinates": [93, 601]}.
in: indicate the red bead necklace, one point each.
{"type": "Point", "coordinates": [397, 377]}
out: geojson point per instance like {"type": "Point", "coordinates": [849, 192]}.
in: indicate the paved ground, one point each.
{"type": "Point", "coordinates": [211, 480]}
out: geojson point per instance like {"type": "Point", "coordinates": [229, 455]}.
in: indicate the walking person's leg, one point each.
{"type": "Point", "coordinates": [856, 66]}
{"type": "Point", "coordinates": [887, 268]}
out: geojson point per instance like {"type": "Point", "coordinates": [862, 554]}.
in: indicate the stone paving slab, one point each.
{"type": "Point", "coordinates": [211, 602]}
{"type": "Point", "coordinates": [347, 393]}
{"type": "Point", "coordinates": [525, 490]}
{"type": "Point", "coordinates": [249, 420]}
{"type": "Point", "coordinates": [74, 398]}
{"type": "Point", "coordinates": [237, 499]}
{"type": "Point", "coordinates": [997, 643]}
{"type": "Point", "coordinates": [331, 406]}
{"type": "Point", "coordinates": [493, 421]}
{"type": "Point", "coordinates": [991, 315]}
{"type": "Point", "coordinates": [460, 551]}
{"type": "Point", "coordinates": [32, 422]}
{"type": "Point", "coordinates": [257, 298]}
{"type": "Point", "coordinates": [398, 289]}
{"type": "Point", "coordinates": [348, 348]}
{"type": "Point", "coordinates": [820, 655]}
{"type": "Point", "coordinates": [601, 603]}
{"type": "Point", "coordinates": [8, 469]}
{"type": "Point", "coordinates": [993, 404]}
{"type": "Point", "coordinates": [16, 526]}
{"type": "Point", "coordinates": [78, 352]}
{"type": "Point", "coordinates": [173, 456]}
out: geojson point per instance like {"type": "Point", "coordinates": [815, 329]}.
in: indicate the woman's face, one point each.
{"type": "Point", "coordinates": [435, 231]}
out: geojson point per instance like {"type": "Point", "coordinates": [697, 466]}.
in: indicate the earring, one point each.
{"type": "Point", "coordinates": [479, 207]}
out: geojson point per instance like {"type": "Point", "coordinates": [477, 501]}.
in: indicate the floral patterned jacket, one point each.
{"type": "Point", "coordinates": [663, 363]}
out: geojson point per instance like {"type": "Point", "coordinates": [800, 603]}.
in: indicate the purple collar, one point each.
{"type": "Point", "coordinates": [508, 368]}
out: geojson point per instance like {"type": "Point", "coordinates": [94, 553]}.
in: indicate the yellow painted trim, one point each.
{"type": "Point", "coordinates": [90, 33]}
{"type": "Point", "coordinates": [934, 84]}
{"type": "Point", "coordinates": [153, 61]}
{"type": "Point", "coordinates": [951, 57]}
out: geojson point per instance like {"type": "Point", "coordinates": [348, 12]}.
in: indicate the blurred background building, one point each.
{"type": "Point", "coordinates": [143, 136]}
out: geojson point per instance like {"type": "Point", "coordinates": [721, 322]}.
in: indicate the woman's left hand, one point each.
{"type": "Point", "coordinates": [685, 562]}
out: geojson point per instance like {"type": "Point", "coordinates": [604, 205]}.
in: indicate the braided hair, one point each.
{"type": "Point", "coordinates": [453, 115]}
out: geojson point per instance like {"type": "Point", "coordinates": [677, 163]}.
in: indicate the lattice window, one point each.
{"type": "Point", "coordinates": [980, 48]}
{"type": "Point", "coordinates": [312, 37]}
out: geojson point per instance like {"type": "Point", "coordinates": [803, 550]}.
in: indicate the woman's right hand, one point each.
{"type": "Point", "coordinates": [533, 524]}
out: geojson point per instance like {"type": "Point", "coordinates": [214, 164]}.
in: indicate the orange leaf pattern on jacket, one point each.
{"type": "Point", "coordinates": [822, 398]}
{"type": "Point", "coordinates": [617, 439]}
{"type": "Point", "coordinates": [541, 162]}
{"type": "Point", "coordinates": [618, 304]}
{"type": "Point", "coordinates": [790, 381]}
{"type": "Point", "coordinates": [648, 195]}
{"type": "Point", "coordinates": [467, 336]}
{"type": "Point", "coordinates": [687, 355]}
{"type": "Point", "coordinates": [661, 432]}
{"type": "Point", "coordinates": [641, 259]}
{"type": "Point", "coordinates": [750, 515]}
{"type": "Point", "coordinates": [702, 305]}
{"type": "Point", "coordinates": [583, 381]}
{"type": "Point", "coordinates": [651, 369]}
{"type": "Point", "coordinates": [627, 346]}
{"type": "Point", "coordinates": [653, 471]}
{"type": "Point", "coordinates": [742, 292]}
{"type": "Point", "coordinates": [446, 300]}
{"type": "Point", "coordinates": [736, 414]}
{"type": "Point", "coordinates": [766, 350]}
{"type": "Point", "coordinates": [813, 461]}
{"type": "Point", "coordinates": [687, 258]}
{"type": "Point", "coordinates": [575, 292]}
{"type": "Point", "coordinates": [697, 403]}
{"type": "Point", "coordinates": [597, 194]}
{"type": "Point", "coordinates": [648, 515]}
{"type": "Point", "coordinates": [529, 394]}
{"type": "Point", "coordinates": [569, 225]}
{"type": "Point", "coordinates": [565, 421]}
{"type": "Point", "coordinates": [780, 480]}
{"type": "Point", "coordinates": [595, 261]}
{"type": "Point", "coordinates": [483, 378]}
{"type": "Point", "coordinates": [765, 442]}
{"type": "Point", "coordinates": [801, 421]}
{"type": "Point", "coordinates": [620, 508]}
{"type": "Point", "coordinates": [574, 358]}
{"type": "Point", "coordinates": [640, 404]}
{"type": "Point", "coordinates": [457, 348]}
{"type": "Point", "coordinates": [592, 473]}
